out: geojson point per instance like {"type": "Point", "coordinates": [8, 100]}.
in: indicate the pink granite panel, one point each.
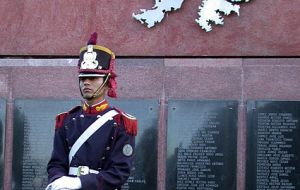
{"type": "Point", "coordinates": [264, 28]}
{"type": "Point", "coordinates": [203, 78]}
{"type": "Point", "coordinates": [61, 28]}
{"type": "Point", "coordinates": [272, 79]}
{"type": "Point", "coordinates": [185, 37]}
{"type": "Point", "coordinates": [162, 145]}
{"type": "Point", "coordinates": [272, 28]}
{"type": "Point", "coordinates": [8, 150]}
{"type": "Point", "coordinates": [4, 82]}
{"type": "Point", "coordinates": [123, 34]}
{"type": "Point", "coordinates": [137, 78]}
{"type": "Point", "coordinates": [140, 78]}
{"type": "Point", "coordinates": [272, 62]}
{"type": "Point", "coordinates": [241, 147]}
{"type": "Point", "coordinates": [45, 82]}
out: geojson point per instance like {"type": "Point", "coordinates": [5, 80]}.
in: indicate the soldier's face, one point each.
{"type": "Point", "coordinates": [89, 85]}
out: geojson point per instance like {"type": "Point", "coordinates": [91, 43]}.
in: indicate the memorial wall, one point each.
{"type": "Point", "coordinates": [34, 122]}
{"type": "Point", "coordinates": [2, 137]}
{"type": "Point", "coordinates": [217, 110]}
{"type": "Point", "coordinates": [273, 145]}
{"type": "Point", "coordinates": [197, 127]}
{"type": "Point", "coordinates": [33, 138]}
{"type": "Point", "coordinates": [201, 145]}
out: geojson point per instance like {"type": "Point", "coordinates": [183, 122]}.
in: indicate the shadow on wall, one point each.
{"type": "Point", "coordinates": [146, 161]}
{"type": "Point", "coordinates": [1, 153]}
{"type": "Point", "coordinates": [28, 170]}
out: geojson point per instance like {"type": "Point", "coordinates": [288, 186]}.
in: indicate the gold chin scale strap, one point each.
{"type": "Point", "coordinates": [102, 85]}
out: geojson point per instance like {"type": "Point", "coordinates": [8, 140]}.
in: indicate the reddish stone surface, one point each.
{"type": "Point", "coordinates": [241, 147]}
{"type": "Point", "coordinates": [4, 83]}
{"type": "Point", "coordinates": [45, 82]}
{"type": "Point", "coordinates": [237, 79]}
{"type": "Point", "coordinates": [272, 79]}
{"type": "Point", "coordinates": [203, 78]}
{"type": "Point", "coordinates": [8, 150]}
{"type": "Point", "coordinates": [264, 28]}
{"type": "Point", "coordinates": [140, 78]}
{"type": "Point", "coordinates": [137, 78]}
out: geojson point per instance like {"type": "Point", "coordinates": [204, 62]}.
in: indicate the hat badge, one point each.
{"type": "Point", "coordinates": [89, 59]}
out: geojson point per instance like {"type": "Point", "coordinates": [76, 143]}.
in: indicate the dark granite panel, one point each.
{"type": "Point", "coordinates": [2, 135]}
{"type": "Point", "coordinates": [145, 173]}
{"type": "Point", "coordinates": [273, 131]}
{"type": "Point", "coordinates": [201, 145]}
{"type": "Point", "coordinates": [33, 137]}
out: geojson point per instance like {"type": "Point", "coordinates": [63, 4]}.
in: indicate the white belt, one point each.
{"type": "Point", "coordinates": [81, 170]}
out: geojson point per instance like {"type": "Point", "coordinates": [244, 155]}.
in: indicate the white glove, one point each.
{"type": "Point", "coordinates": [65, 183]}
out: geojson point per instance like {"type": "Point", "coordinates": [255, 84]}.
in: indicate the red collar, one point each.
{"type": "Point", "coordinates": [96, 108]}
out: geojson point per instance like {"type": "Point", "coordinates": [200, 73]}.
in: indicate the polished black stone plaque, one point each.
{"type": "Point", "coordinates": [273, 141]}
{"type": "Point", "coordinates": [33, 138]}
{"type": "Point", "coordinates": [144, 175]}
{"type": "Point", "coordinates": [2, 143]}
{"type": "Point", "coordinates": [201, 145]}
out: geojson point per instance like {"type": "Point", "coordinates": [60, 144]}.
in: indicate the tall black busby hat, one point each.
{"type": "Point", "coordinates": [95, 60]}
{"type": "Point", "coordinates": [98, 61]}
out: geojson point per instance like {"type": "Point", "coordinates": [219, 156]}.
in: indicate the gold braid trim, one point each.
{"type": "Point", "coordinates": [98, 90]}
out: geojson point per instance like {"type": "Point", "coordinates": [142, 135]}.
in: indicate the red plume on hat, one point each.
{"type": "Point", "coordinates": [97, 60]}
{"type": "Point", "coordinates": [93, 39]}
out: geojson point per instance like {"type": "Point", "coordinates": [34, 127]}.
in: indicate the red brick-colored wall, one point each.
{"type": "Point", "coordinates": [268, 29]}
{"type": "Point", "coordinates": [264, 28]}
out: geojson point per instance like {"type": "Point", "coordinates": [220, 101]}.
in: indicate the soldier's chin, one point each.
{"type": "Point", "coordinates": [87, 96]}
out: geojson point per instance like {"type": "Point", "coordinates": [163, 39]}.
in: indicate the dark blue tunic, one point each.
{"type": "Point", "coordinates": [103, 151]}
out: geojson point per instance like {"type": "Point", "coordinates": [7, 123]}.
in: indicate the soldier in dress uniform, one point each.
{"type": "Point", "coordinates": [94, 144]}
